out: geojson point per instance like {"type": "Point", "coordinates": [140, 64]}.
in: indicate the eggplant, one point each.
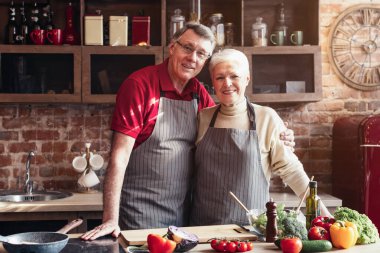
{"type": "Point", "coordinates": [185, 241]}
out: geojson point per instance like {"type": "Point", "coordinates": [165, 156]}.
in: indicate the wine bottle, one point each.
{"type": "Point", "coordinates": [47, 17]}
{"type": "Point", "coordinates": [69, 35]}
{"type": "Point", "coordinates": [34, 18]}
{"type": "Point", "coordinates": [11, 28]}
{"type": "Point", "coordinates": [23, 36]}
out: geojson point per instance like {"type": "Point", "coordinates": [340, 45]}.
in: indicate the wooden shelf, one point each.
{"type": "Point", "coordinates": [98, 71]}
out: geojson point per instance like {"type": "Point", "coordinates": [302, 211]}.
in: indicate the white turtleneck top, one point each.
{"type": "Point", "coordinates": [276, 158]}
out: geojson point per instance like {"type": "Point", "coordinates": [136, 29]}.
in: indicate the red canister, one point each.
{"type": "Point", "coordinates": [141, 30]}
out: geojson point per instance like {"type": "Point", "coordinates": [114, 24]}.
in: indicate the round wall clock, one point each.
{"type": "Point", "coordinates": [355, 46]}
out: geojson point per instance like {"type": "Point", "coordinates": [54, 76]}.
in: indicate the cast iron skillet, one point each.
{"type": "Point", "coordinates": [39, 242]}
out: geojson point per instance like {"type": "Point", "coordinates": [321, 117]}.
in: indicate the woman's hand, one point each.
{"type": "Point", "coordinates": [288, 137]}
{"type": "Point", "coordinates": [108, 227]}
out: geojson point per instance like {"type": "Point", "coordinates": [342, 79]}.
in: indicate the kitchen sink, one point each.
{"type": "Point", "coordinates": [12, 196]}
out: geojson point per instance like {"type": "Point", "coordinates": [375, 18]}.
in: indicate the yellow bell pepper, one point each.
{"type": "Point", "coordinates": [343, 234]}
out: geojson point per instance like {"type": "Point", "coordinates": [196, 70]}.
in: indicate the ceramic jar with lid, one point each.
{"type": "Point", "coordinates": [259, 33]}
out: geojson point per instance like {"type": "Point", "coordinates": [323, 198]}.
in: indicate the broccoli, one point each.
{"type": "Point", "coordinates": [293, 228]}
{"type": "Point", "coordinates": [368, 232]}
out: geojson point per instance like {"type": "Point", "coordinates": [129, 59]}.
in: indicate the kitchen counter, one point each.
{"type": "Point", "coordinates": [94, 202]}
{"type": "Point", "coordinates": [89, 207]}
{"type": "Point", "coordinates": [262, 247]}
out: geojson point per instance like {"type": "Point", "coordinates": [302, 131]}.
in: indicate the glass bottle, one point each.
{"type": "Point", "coordinates": [69, 35]}
{"type": "Point", "coordinates": [259, 33]}
{"type": "Point", "coordinates": [34, 18]}
{"type": "Point", "coordinates": [176, 22]}
{"type": "Point", "coordinates": [47, 17]}
{"type": "Point", "coordinates": [229, 32]}
{"type": "Point", "coordinates": [23, 37]}
{"type": "Point", "coordinates": [312, 204]}
{"type": "Point", "coordinates": [217, 27]}
{"type": "Point", "coordinates": [195, 13]}
{"type": "Point", "coordinates": [280, 23]}
{"type": "Point", "coordinates": [11, 29]}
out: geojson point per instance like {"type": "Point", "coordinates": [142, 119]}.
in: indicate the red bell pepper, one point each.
{"type": "Point", "coordinates": [323, 221]}
{"type": "Point", "coordinates": [159, 244]}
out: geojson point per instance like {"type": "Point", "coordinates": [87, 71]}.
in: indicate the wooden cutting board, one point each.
{"type": "Point", "coordinates": [230, 231]}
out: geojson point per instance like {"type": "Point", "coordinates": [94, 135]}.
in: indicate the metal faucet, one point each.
{"type": "Point", "coordinates": [28, 182]}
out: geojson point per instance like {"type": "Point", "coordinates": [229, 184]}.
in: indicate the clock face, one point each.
{"type": "Point", "coordinates": [355, 47]}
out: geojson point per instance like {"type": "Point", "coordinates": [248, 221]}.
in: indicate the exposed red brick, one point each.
{"type": "Point", "coordinates": [2, 148]}
{"type": "Point", "coordinates": [5, 160]}
{"type": "Point", "coordinates": [5, 173]}
{"type": "Point", "coordinates": [56, 147]}
{"type": "Point", "coordinates": [40, 135]}
{"type": "Point", "coordinates": [8, 135]}
{"type": "Point", "coordinates": [92, 122]}
{"type": "Point", "coordinates": [320, 154]}
{"type": "Point", "coordinates": [21, 147]}
{"type": "Point", "coordinates": [47, 171]}
{"type": "Point", "coordinates": [92, 133]}
{"type": "Point", "coordinates": [8, 110]}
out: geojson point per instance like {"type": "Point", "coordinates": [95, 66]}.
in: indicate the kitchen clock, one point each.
{"type": "Point", "coordinates": [354, 50]}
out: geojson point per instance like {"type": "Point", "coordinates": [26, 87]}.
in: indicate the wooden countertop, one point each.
{"type": "Point", "coordinates": [94, 202]}
{"type": "Point", "coordinates": [262, 247]}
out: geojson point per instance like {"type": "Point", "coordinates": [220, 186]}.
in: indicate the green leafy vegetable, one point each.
{"type": "Point", "coordinates": [293, 228]}
{"type": "Point", "coordinates": [368, 232]}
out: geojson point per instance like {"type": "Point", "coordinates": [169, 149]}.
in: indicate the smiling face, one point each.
{"type": "Point", "coordinates": [184, 64]}
{"type": "Point", "coordinates": [230, 81]}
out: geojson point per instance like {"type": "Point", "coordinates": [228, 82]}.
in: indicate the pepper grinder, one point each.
{"type": "Point", "coordinates": [271, 228]}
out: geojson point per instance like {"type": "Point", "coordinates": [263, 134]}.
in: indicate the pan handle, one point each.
{"type": "Point", "coordinates": [71, 225]}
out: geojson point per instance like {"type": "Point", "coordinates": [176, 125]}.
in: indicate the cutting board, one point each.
{"type": "Point", "coordinates": [230, 231]}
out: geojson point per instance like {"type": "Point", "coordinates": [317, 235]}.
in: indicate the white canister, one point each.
{"type": "Point", "coordinates": [118, 30]}
{"type": "Point", "coordinates": [93, 33]}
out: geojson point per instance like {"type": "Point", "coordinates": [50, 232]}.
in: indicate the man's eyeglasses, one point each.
{"type": "Point", "coordinates": [187, 49]}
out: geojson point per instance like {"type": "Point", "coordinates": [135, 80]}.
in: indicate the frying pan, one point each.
{"type": "Point", "coordinates": [39, 242]}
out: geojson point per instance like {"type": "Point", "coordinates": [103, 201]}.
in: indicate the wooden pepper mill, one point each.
{"type": "Point", "coordinates": [271, 229]}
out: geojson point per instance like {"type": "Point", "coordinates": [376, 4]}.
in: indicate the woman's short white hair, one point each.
{"type": "Point", "coordinates": [230, 55]}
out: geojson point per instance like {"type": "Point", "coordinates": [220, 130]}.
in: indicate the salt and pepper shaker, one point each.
{"type": "Point", "coordinates": [271, 228]}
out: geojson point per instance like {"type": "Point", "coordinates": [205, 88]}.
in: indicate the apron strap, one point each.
{"type": "Point", "coordinates": [212, 122]}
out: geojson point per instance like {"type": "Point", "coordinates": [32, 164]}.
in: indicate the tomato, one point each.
{"type": "Point", "coordinates": [242, 247]}
{"type": "Point", "coordinates": [221, 246]}
{"type": "Point", "coordinates": [158, 244]}
{"type": "Point", "coordinates": [291, 245]}
{"type": "Point", "coordinates": [214, 244]}
{"type": "Point", "coordinates": [318, 233]}
{"type": "Point", "coordinates": [231, 247]}
{"type": "Point", "coordinates": [249, 246]}
{"type": "Point", "coordinates": [323, 221]}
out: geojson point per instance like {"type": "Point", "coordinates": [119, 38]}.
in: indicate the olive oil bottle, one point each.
{"type": "Point", "coordinates": [312, 204]}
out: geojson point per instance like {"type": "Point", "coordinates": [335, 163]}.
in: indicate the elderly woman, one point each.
{"type": "Point", "coordinates": [238, 149]}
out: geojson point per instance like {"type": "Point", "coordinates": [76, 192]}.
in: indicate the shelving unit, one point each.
{"type": "Point", "coordinates": [92, 74]}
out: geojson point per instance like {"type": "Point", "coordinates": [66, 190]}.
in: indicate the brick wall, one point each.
{"type": "Point", "coordinates": [58, 132]}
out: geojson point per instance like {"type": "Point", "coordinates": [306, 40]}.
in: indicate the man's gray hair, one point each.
{"type": "Point", "coordinates": [230, 55]}
{"type": "Point", "coordinates": [199, 29]}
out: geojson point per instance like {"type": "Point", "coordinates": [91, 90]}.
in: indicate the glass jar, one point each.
{"type": "Point", "coordinates": [229, 32]}
{"type": "Point", "coordinates": [217, 27]}
{"type": "Point", "coordinates": [176, 22]}
{"type": "Point", "coordinates": [259, 33]}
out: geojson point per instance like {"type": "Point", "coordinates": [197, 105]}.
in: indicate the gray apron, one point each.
{"type": "Point", "coordinates": [156, 189]}
{"type": "Point", "coordinates": [226, 160]}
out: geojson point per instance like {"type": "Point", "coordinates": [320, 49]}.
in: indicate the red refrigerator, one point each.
{"type": "Point", "coordinates": [356, 164]}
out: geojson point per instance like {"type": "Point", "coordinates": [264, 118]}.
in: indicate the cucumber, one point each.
{"type": "Point", "coordinates": [311, 245]}
{"type": "Point", "coordinates": [316, 245]}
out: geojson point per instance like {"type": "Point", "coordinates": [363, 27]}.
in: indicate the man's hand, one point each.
{"type": "Point", "coordinates": [288, 137]}
{"type": "Point", "coordinates": [109, 227]}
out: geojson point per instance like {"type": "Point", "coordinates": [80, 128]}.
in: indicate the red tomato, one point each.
{"type": "Point", "coordinates": [242, 247]}
{"type": "Point", "coordinates": [231, 247]}
{"type": "Point", "coordinates": [249, 246]}
{"type": "Point", "coordinates": [291, 245]}
{"type": "Point", "coordinates": [214, 244]}
{"type": "Point", "coordinates": [318, 233]}
{"type": "Point", "coordinates": [221, 246]}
